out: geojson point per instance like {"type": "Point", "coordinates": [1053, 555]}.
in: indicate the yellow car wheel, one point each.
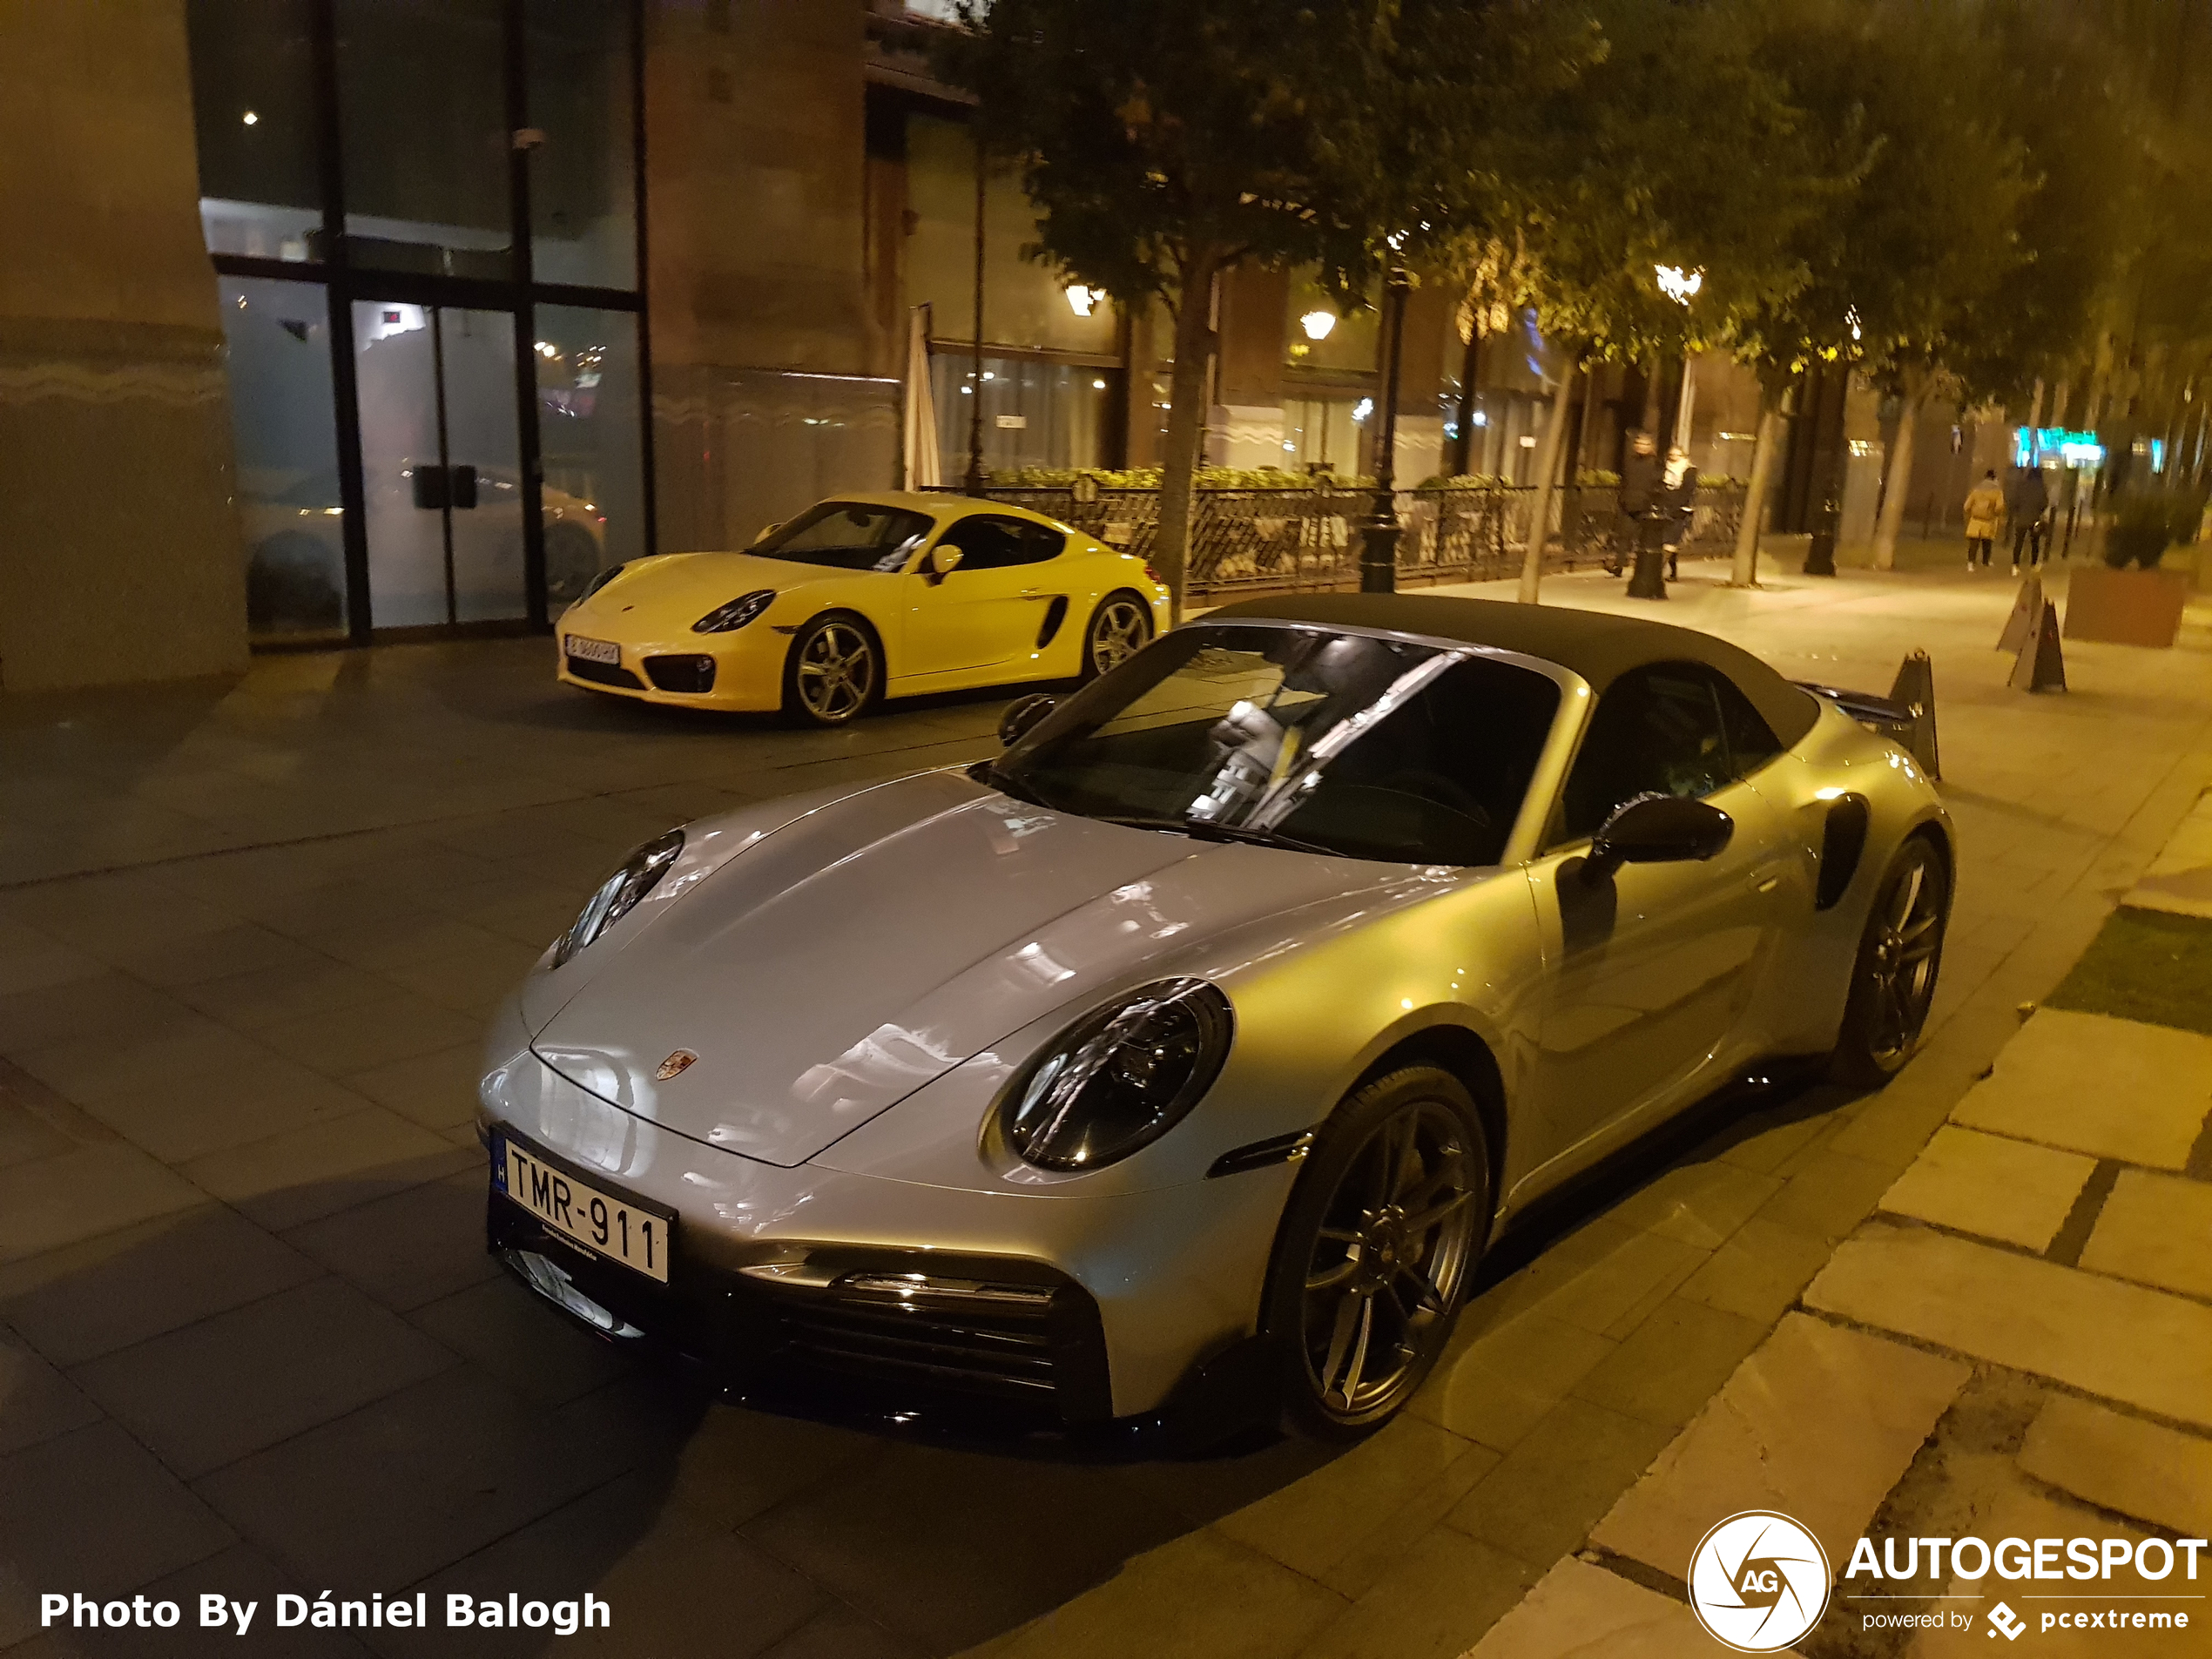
{"type": "Point", "coordinates": [1121, 627]}
{"type": "Point", "coordinates": [835, 670]}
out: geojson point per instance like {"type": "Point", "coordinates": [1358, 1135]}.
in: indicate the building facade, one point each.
{"type": "Point", "coordinates": [357, 319]}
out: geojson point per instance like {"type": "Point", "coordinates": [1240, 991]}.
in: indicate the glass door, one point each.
{"type": "Point", "coordinates": [442, 479]}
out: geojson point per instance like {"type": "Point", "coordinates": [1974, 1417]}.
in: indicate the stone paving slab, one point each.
{"type": "Point", "coordinates": [2150, 1351]}
{"type": "Point", "coordinates": [2053, 1077]}
{"type": "Point", "coordinates": [1756, 1445]}
{"type": "Point", "coordinates": [2179, 878]}
{"type": "Point", "coordinates": [1990, 1185]}
{"type": "Point", "coordinates": [2155, 1230]}
{"type": "Point", "coordinates": [1583, 1612]}
{"type": "Point", "coordinates": [2123, 1463]}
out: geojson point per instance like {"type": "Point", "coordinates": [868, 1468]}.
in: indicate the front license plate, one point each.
{"type": "Point", "coordinates": [604, 1223]}
{"type": "Point", "coordinates": [593, 651]}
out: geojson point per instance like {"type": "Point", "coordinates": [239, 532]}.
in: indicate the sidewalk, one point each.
{"type": "Point", "coordinates": [2017, 1344]}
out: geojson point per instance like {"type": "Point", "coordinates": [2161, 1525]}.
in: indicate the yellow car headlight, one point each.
{"type": "Point", "coordinates": [727, 619]}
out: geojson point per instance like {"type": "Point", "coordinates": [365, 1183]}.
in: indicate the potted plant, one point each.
{"type": "Point", "coordinates": [2129, 601]}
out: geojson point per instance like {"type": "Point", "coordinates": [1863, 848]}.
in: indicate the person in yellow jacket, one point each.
{"type": "Point", "coordinates": [1984, 512]}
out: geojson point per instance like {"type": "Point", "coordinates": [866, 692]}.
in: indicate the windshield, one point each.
{"type": "Point", "coordinates": [1339, 743]}
{"type": "Point", "coordinates": [851, 536]}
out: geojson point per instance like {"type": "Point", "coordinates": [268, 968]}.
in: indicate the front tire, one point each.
{"type": "Point", "coordinates": [833, 671]}
{"type": "Point", "coordinates": [1377, 1247]}
{"type": "Point", "coordinates": [1893, 978]}
{"type": "Point", "coordinates": [1121, 627]}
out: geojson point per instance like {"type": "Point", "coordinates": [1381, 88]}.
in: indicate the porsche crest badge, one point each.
{"type": "Point", "coordinates": [675, 1063]}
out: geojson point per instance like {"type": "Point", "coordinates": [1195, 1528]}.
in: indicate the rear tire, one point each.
{"type": "Point", "coordinates": [1121, 627]}
{"type": "Point", "coordinates": [1377, 1247]}
{"type": "Point", "coordinates": [1893, 978]}
{"type": "Point", "coordinates": [833, 671]}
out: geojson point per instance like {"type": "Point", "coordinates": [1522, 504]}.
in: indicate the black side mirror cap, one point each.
{"type": "Point", "coordinates": [1657, 829]}
{"type": "Point", "coordinates": [1023, 713]}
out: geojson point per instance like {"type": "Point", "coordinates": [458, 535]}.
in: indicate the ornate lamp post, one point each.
{"type": "Point", "coordinates": [973, 483]}
{"type": "Point", "coordinates": [1378, 534]}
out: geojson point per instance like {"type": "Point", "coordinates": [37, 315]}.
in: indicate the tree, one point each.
{"type": "Point", "coordinates": [1165, 141]}
{"type": "Point", "coordinates": [1673, 147]}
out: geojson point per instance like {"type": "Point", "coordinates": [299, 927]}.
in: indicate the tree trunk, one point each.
{"type": "Point", "coordinates": [1900, 484]}
{"type": "Point", "coordinates": [1769, 439]}
{"type": "Point", "coordinates": [1547, 454]}
{"type": "Point", "coordinates": [1186, 400]}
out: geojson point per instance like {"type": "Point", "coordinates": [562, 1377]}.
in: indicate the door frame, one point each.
{"type": "Point", "coordinates": [519, 294]}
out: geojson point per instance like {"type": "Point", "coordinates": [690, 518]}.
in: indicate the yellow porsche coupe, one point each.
{"type": "Point", "coordinates": [867, 596]}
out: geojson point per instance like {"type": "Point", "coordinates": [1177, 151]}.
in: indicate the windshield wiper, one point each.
{"type": "Point", "coordinates": [1005, 782]}
{"type": "Point", "coordinates": [1199, 829]}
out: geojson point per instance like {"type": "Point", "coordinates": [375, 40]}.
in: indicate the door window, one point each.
{"type": "Point", "coordinates": [989, 542]}
{"type": "Point", "coordinates": [1658, 730]}
{"type": "Point", "coordinates": [1751, 742]}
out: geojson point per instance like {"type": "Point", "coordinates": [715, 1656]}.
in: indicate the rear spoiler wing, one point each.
{"type": "Point", "coordinates": [1906, 717]}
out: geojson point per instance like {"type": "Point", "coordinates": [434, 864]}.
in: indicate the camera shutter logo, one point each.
{"type": "Point", "coordinates": [1758, 1581]}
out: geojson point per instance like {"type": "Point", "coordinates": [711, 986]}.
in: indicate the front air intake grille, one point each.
{"type": "Point", "coordinates": [692, 674]}
{"type": "Point", "coordinates": [1038, 1342]}
{"type": "Point", "coordinates": [604, 674]}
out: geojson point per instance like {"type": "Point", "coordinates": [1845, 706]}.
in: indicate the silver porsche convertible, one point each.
{"type": "Point", "coordinates": [1202, 1040]}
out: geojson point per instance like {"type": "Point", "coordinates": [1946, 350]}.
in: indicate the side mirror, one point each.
{"type": "Point", "coordinates": [1657, 829]}
{"type": "Point", "coordinates": [1023, 713]}
{"type": "Point", "coordinates": [944, 559]}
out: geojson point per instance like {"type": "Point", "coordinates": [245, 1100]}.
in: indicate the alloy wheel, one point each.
{"type": "Point", "coordinates": [1395, 1241]}
{"type": "Point", "coordinates": [1907, 929]}
{"type": "Point", "coordinates": [835, 674]}
{"type": "Point", "coordinates": [1121, 629]}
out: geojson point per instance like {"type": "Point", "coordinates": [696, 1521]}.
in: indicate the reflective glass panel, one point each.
{"type": "Point", "coordinates": [422, 114]}
{"type": "Point", "coordinates": [441, 473]}
{"type": "Point", "coordinates": [279, 340]}
{"type": "Point", "coordinates": [584, 224]}
{"type": "Point", "coordinates": [588, 428]}
{"type": "Point", "coordinates": [253, 109]}
{"type": "Point", "coordinates": [1035, 413]}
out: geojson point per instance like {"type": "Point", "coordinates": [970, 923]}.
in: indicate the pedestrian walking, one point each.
{"type": "Point", "coordinates": [1985, 512]}
{"type": "Point", "coordinates": [1644, 508]}
{"type": "Point", "coordinates": [2028, 504]}
{"type": "Point", "coordinates": [1681, 493]}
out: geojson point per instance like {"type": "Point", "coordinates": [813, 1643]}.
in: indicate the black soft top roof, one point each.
{"type": "Point", "coordinates": [1589, 642]}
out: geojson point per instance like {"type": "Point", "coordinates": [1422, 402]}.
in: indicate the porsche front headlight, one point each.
{"type": "Point", "coordinates": [1120, 1077]}
{"type": "Point", "coordinates": [618, 892]}
{"type": "Point", "coordinates": [727, 619]}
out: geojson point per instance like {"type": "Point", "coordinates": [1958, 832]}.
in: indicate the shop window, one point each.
{"type": "Point", "coordinates": [287, 446]}
{"type": "Point", "coordinates": [1035, 413]}
{"type": "Point", "coordinates": [583, 220]}
{"type": "Point", "coordinates": [1326, 433]}
{"type": "Point", "coordinates": [588, 423]}
{"type": "Point", "coordinates": [422, 118]}
{"type": "Point", "coordinates": [254, 105]}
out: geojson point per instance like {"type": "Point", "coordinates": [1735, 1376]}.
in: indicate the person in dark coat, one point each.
{"type": "Point", "coordinates": [2029, 503]}
{"type": "Point", "coordinates": [1643, 515]}
{"type": "Point", "coordinates": [1681, 496]}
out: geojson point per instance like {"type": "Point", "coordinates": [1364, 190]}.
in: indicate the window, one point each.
{"type": "Point", "coordinates": [1751, 742]}
{"type": "Point", "coordinates": [1440, 780]}
{"type": "Point", "coordinates": [989, 542]}
{"type": "Point", "coordinates": [1658, 730]}
{"type": "Point", "coordinates": [850, 535]}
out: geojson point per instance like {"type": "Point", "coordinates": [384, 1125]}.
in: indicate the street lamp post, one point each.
{"type": "Point", "coordinates": [973, 483]}
{"type": "Point", "coordinates": [1379, 535]}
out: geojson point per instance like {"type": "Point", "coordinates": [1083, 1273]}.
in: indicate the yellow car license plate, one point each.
{"type": "Point", "coordinates": [605, 1223]}
{"type": "Point", "coordinates": [593, 651]}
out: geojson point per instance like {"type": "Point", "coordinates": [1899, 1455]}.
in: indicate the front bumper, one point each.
{"type": "Point", "coordinates": [746, 672]}
{"type": "Point", "coordinates": [1098, 1307]}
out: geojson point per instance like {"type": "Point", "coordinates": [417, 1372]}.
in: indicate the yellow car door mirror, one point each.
{"type": "Point", "coordinates": [944, 559]}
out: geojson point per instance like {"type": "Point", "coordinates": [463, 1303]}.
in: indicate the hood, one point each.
{"type": "Point", "coordinates": [693, 584]}
{"type": "Point", "coordinates": [860, 952]}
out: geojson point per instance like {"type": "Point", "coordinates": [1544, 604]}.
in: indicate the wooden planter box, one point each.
{"type": "Point", "coordinates": [2125, 607]}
